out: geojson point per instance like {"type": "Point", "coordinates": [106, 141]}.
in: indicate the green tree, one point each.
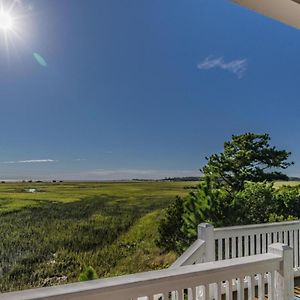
{"type": "Point", "coordinates": [288, 201]}
{"type": "Point", "coordinates": [171, 236]}
{"type": "Point", "coordinates": [235, 190]}
{"type": "Point", "coordinates": [206, 204]}
{"type": "Point", "coordinates": [255, 204]}
{"type": "Point", "coordinates": [247, 157]}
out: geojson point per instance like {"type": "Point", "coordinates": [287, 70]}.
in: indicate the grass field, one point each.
{"type": "Point", "coordinates": [48, 237]}
{"type": "Point", "coordinates": [288, 183]}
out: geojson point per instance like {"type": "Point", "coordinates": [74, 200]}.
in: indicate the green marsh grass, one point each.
{"type": "Point", "coordinates": [51, 236]}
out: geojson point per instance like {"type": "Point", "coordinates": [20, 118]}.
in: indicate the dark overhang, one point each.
{"type": "Point", "coordinates": [286, 11]}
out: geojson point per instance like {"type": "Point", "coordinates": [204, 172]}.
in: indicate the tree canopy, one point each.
{"type": "Point", "coordinates": [247, 157]}
{"type": "Point", "coordinates": [234, 191]}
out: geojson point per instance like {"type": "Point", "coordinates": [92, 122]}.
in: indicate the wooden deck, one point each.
{"type": "Point", "coordinates": [297, 287]}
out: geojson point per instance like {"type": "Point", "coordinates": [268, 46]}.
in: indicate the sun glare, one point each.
{"type": "Point", "coordinates": [14, 20]}
{"type": "Point", "coordinates": [6, 21]}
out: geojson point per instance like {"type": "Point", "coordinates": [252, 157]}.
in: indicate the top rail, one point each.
{"type": "Point", "coordinates": [247, 240]}
{"type": "Point", "coordinates": [235, 231]}
{"type": "Point", "coordinates": [194, 254]}
{"type": "Point", "coordinates": [162, 282]}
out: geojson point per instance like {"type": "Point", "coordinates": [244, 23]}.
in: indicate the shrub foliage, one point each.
{"type": "Point", "coordinates": [237, 190]}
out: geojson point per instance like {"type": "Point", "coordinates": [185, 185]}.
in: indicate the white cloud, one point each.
{"type": "Point", "coordinates": [237, 67]}
{"type": "Point", "coordinates": [29, 161]}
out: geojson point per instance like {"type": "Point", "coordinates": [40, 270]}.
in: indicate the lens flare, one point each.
{"type": "Point", "coordinates": [40, 60]}
{"type": "Point", "coordinates": [6, 21]}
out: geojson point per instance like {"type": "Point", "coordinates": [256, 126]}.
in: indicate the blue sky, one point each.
{"type": "Point", "coordinates": [142, 89]}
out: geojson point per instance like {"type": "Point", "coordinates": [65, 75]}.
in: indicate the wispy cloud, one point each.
{"type": "Point", "coordinates": [237, 67]}
{"type": "Point", "coordinates": [108, 152]}
{"type": "Point", "coordinates": [80, 159]}
{"type": "Point", "coordinates": [29, 161]}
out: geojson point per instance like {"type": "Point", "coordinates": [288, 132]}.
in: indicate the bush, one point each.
{"type": "Point", "coordinates": [207, 204]}
{"type": "Point", "coordinates": [288, 201]}
{"type": "Point", "coordinates": [254, 204]}
{"type": "Point", "coordinates": [178, 227]}
{"type": "Point", "coordinates": [280, 218]}
{"type": "Point", "coordinates": [170, 235]}
{"type": "Point", "coordinates": [88, 273]}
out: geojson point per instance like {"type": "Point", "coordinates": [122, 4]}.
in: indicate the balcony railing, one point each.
{"type": "Point", "coordinates": [215, 244]}
{"type": "Point", "coordinates": [244, 262]}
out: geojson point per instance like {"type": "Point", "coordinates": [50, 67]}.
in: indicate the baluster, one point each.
{"type": "Point", "coordinates": [251, 287]}
{"type": "Point", "coordinates": [280, 237]}
{"type": "Point", "coordinates": [277, 237]}
{"type": "Point", "coordinates": [264, 242]}
{"type": "Point", "coordinates": [258, 244]}
{"type": "Point", "coordinates": [271, 285]}
{"type": "Point", "coordinates": [291, 236]}
{"type": "Point", "coordinates": [269, 239]}
{"type": "Point", "coordinates": [227, 248]}
{"type": "Point", "coordinates": [272, 238]}
{"type": "Point", "coordinates": [285, 238]}
{"type": "Point", "coordinates": [190, 295]}
{"type": "Point", "coordinates": [233, 248]}
{"type": "Point", "coordinates": [261, 287]}
{"type": "Point", "coordinates": [180, 294]}
{"type": "Point", "coordinates": [240, 246]}
{"type": "Point", "coordinates": [228, 290]}
{"type": "Point", "coordinates": [206, 292]}
{"type": "Point", "coordinates": [296, 245]}
{"type": "Point", "coordinates": [219, 249]}
{"type": "Point", "coordinates": [240, 289]}
{"type": "Point", "coordinates": [199, 293]}
{"type": "Point", "coordinates": [246, 245]}
{"type": "Point", "coordinates": [218, 291]}
{"type": "Point", "coordinates": [174, 295]}
{"type": "Point", "coordinates": [252, 244]}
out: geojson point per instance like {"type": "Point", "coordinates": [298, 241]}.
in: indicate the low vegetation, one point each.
{"type": "Point", "coordinates": [53, 236]}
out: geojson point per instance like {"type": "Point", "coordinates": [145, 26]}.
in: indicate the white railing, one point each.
{"type": "Point", "coordinates": [195, 254]}
{"type": "Point", "coordinates": [216, 244]}
{"type": "Point", "coordinates": [239, 241]}
{"type": "Point", "coordinates": [201, 250]}
{"type": "Point", "coordinates": [210, 280]}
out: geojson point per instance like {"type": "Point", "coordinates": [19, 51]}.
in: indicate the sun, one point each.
{"type": "Point", "coordinates": [6, 21]}
{"type": "Point", "coordinates": [14, 24]}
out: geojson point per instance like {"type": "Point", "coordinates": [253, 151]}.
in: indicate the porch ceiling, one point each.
{"type": "Point", "coordinates": [286, 11]}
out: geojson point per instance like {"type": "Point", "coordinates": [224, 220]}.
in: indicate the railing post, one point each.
{"type": "Point", "coordinates": [284, 278]}
{"type": "Point", "coordinates": [206, 233]}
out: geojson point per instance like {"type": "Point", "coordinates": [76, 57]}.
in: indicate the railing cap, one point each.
{"type": "Point", "coordinates": [205, 225]}
{"type": "Point", "coordinates": [279, 248]}
{"type": "Point", "coordinates": [257, 226]}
